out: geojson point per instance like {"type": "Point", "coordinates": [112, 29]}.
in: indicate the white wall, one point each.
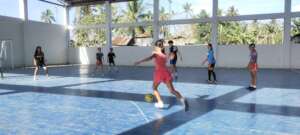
{"type": "Point", "coordinates": [27, 35]}
{"type": "Point", "coordinates": [51, 37]}
{"type": "Point", "coordinates": [295, 56]}
{"type": "Point", "coordinates": [12, 29]}
{"type": "Point", "coordinates": [237, 56]}
{"type": "Point", "coordinates": [270, 56]}
{"type": "Point", "coordinates": [125, 55]}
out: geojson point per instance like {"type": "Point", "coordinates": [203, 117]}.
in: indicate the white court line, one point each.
{"type": "Point", "coordinates": [141, 111]}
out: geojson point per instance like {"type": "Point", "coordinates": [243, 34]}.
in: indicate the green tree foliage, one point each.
{"type": "Point", "coordinates": [229, 32]}
{"type": "Point", "coordinates": [165, 30]}
{"type": "Point", "coordinates": [187, 7]}
{"type": "Point", "coordinates": [295, 26]}
{"type": "Point", "coordinates": [203, 30]}
{"type": "Point", "coordinates": [47, 16]}
{"type": "Point", "coordinates": [243, 33]}
{"type": "Point", "coordinates": [89, 15]}
{"type": "Point", "coordinates": [135, 11]}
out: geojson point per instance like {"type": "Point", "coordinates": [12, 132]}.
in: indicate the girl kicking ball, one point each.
{"type": "Point", "coordinates": [162, 74]}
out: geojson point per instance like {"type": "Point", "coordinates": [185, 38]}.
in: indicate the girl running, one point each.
{"type": "Point", "coordinates": [162, 74]}
{"type": "Point", "coordinates": [211, 63]}
{"type": "Point", "coordinates": [253, 66]}
{"type": "Point", "coordinates": [39, 61]}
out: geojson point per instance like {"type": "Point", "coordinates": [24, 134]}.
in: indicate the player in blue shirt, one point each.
{"type": "Point", "coordinates": [210, 59]}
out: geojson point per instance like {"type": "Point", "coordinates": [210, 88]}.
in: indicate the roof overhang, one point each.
{"type": "Point", "coordinates": [72, 3]}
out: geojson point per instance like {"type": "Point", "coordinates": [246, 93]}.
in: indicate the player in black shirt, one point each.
{"type": "Point", "coordinates": [111, 56]}
{"type": "Point", "coordinates": [39, 61]}
{"type": "Point", "coordinates": [173, 54]}
{"type": "Point", "coordinates": [99, 60]}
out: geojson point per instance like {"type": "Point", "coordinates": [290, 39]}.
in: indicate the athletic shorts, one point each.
{"type": "Point", "coordinates": [99, 62]}
{"type": "Point", "coordinates": [43, 66]}
{"type": "Point", "coordinates": [111, 61]}
{"type": "Point", "coordinates": [173, 62]}
{"type": "Point", "coordinates": [254, 67]}
{"type": "Point", "coordinates": [212, 65]}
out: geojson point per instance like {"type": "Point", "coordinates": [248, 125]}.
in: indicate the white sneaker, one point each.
{"type": "Point", "coordinates": [159, 105]}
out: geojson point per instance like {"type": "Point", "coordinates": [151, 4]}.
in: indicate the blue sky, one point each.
{"type": "Point", "coordinates": [245, 7]}
{"type": "Point", "coordinates": [35, 7]}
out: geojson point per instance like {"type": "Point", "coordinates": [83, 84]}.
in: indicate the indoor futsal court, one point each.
{"type": "Point", "coordinates": [149, 67]}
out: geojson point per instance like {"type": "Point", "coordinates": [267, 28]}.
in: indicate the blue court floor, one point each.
{"type": "Point", "coordinates": [74, 101]}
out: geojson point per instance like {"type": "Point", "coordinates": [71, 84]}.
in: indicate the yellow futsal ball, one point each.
{"type": "Point", "coordinates": [149, 98]}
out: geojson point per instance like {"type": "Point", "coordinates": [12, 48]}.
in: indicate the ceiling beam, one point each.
{"type": "Point", "coordinates": [73, 3]}
{"type": "Point", "coordinates": [57, 4]}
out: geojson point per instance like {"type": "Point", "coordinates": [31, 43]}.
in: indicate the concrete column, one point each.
{"type": "Point", "coordinates": [108, 24]}
{"type": "Point", "coordinates": [156, 20]}
{"type": "Point", "coordinates": [286, 48]}
{"type": "Point", "coordinates": [214, 28]}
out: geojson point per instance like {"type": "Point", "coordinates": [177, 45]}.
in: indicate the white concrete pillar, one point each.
{"type": "Point", "coordinates": [23, 9]}
{"type": "Point", "coordinates": [214, 28]}
{"type": "Point", "coordinates": [108, 24]}
{"type": "Point", "coordinates": [286, 48]}
{"type": "Point", "coordinates": [155, 24]}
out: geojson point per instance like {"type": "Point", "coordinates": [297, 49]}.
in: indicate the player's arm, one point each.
{"type": "Point", "coordinates": [205, 60]}
{"type": "Point", "coordinates": [145, 59]}
{"type": "Point", "coordinates": [34, 61]}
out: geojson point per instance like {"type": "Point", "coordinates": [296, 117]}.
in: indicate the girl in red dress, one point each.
{"type": "Point", "coordinates": [162, 74]}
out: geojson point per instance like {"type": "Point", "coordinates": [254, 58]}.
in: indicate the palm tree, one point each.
{"type": "Point", "coordinates": [232, 11]}
{"type": "Point", "coordinates": [163, 16]}
{"type": "Point", "coordinates": [134, 11]}
{"type": "Point", "coordinates": [187, 7]}
{"type": "Point", "coordinates": [170, 6]}
{"type": "Point", "coordinates": [47, 16]}
{"type": "Point", "coordinates": [203, 30]}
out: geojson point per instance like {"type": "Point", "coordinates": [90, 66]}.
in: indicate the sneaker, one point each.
{"type": "Point", "coordinates": [159, 105]}
{"type": "Point", "coordinates": [251, 88]}
{"type": "Point", "coordinates": [185, 104]}
{"type": "Point", "coordinates": [209, 81]}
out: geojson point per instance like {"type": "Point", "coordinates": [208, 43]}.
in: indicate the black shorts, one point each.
{"type": "Point", "coordinates": [42, 65]}
{"type": "Point", "coordinates": [212, 65]}
{"type": "Point", "coordinates": [173, 61]}
{"type": "Point", "coordinates": [111, 61]}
